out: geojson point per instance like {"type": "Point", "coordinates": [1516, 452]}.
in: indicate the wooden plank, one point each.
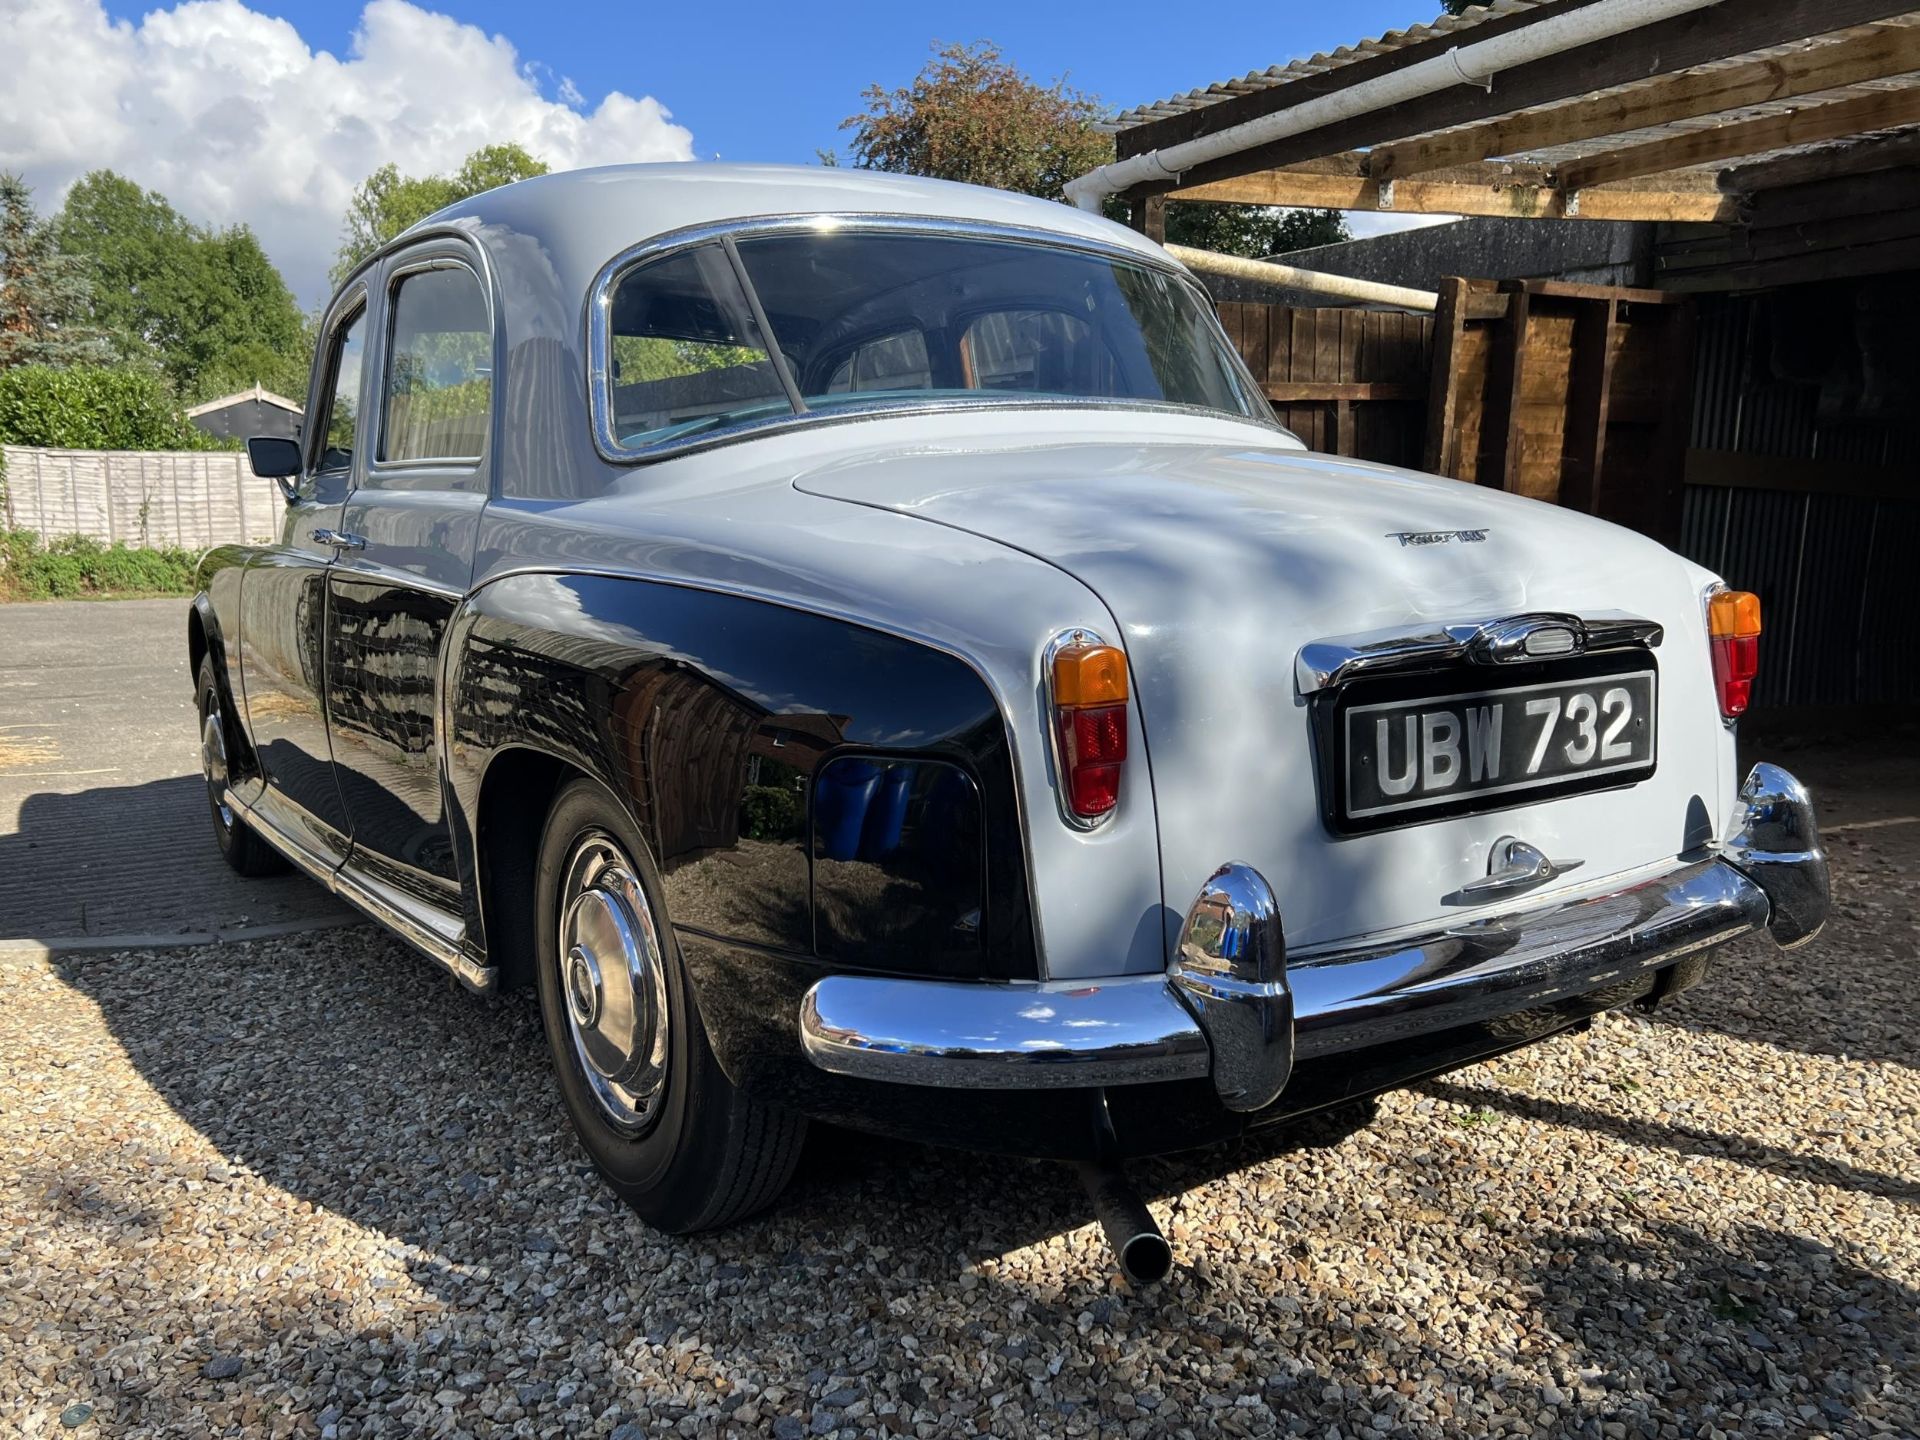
{"type": "Point", "coordinates": [1500, 443]}
{"type": "Point", "coordinates": [1731, 469]}
{"type": "Point", "coordinates": [1486, 305]}
{"type": "Point", "coordinates": [1253, 340]}
{"type": "Point", "coordinates": [1667, 490]}
{"type": "Point", "coordinates": [1575, 290]}
{"type": "Point", "coordinates": [1878, 111]}
{"type": "Point", "coordinates": [1872, 54]}
{"type": "Point", "coordinates": [1681, 43]}
{"type": "Point", "coordinates": [1888, 255]}
{"type": "Point", "coordinates": [1298, 392]}
{"type": "Point", "coordinates": [1439, 455]}
{"type": "Point", "coordinates": [1430, 197]}
{"type": "Point", "coordinates": [1841, 196]}
{"type": "Point", "coordinates": [1588, 390]}
{"type": "Point", "coordinates": [1883, 152]}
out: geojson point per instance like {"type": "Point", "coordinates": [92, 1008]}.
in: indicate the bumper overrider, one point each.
{"type": "Point", "coordinates": [1234, 1008]}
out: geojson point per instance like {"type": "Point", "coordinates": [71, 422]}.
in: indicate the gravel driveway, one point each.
{"type": "Point", "coordinates": [304, 1186]}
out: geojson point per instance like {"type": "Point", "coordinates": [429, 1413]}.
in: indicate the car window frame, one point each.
{"type": "Point", "coordinates": [452, 472]}
{"type": "Point", "coordinates": [354, 302]}
{"type": "Point", "coordinates": [597, 331]}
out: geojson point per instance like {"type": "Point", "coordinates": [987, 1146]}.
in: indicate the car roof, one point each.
{"type": "Point", "coordinates": [580, 219]}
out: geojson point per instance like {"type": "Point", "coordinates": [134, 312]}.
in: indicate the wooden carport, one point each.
{"type": "Point", "coordinates": [1773, 145]}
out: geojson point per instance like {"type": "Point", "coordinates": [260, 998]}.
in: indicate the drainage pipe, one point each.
{"type": "Point", "coordinates": [1475, 63]}
{"type": "Point", "coordinates": [1271, 272]}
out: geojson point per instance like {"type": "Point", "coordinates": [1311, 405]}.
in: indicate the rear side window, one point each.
{"type": "Point", "coordinates": [686, 354]}
{"type": "Point", "coordinates": [439, 384]}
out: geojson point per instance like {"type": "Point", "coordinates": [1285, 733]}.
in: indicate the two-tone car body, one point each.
{"type": "Point", "coordinates": [861, 648]}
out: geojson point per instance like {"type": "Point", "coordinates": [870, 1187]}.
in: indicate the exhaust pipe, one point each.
{"type": "Point", "coordinates": [1144, 1255]}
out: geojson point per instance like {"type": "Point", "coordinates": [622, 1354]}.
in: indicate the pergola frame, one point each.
{"type": "Point", "coordinates": [1682, 120]}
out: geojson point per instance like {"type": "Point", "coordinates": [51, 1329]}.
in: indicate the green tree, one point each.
{"type": "Point", "coordinates": [387, 202]}
{"type": "Point", "coordinates": [971, 116]}
{"type": "Point", "coordinates": [1252, 230]}
{"type": "Point", "coordinates": [207, 306]}
{"type": "Point", "coordinates": [44, 292]}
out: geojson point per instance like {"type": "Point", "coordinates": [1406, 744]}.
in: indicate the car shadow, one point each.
{"type": "Point", "coordinates": [344, 1071]}
{"type": "Point", "coordinates": [134, 860]}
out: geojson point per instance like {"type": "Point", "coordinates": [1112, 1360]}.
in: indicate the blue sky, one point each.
{"type": "Point", "coordinates": [768, 81]}
{"type": "Point", "coordinates": [269, 113]}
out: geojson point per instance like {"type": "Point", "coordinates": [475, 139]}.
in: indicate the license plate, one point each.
{"type": "Point", "coordinates": [1423, 757]}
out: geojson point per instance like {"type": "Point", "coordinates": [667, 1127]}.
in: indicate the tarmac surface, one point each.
{"type": "Point", "coordinates": [104, 835]}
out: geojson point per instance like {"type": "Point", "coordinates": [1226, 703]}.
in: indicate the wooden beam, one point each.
{"type": "Point", "coordinates": [1441, 454]}
{"type": "Point", "coordinates": [1740, 471]}
{"type": "Point", "coordinates": [1877, 111]}
{"type": "Point", "coordinates": [1501, 443]}
{"type": "Point", "coordinates": [1430, 197]}
{"type": "Point", "coordinates": [1825, 201]}
{"type": "Point", "coordinates": [1589, 387]}
{"type": "Point", "coordinates": [1872, 54]}
{"type": "Point", "coordinates": [1862, 157]}
{"type": "Point", "coordinates": [1699, 37]}
{"type": "Point", "coordinates": [1306, 392]}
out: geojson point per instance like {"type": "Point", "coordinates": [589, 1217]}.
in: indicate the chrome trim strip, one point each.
{"type": "Point", "coordinates": [1505, 964]}
{"type": "Point", "coordinates": [1777, 846]}
{"type": "Point", "coordinates": [1001, 1037]}
{"type": "Point", "coordinates": [600, 303]}
{"type": "Point", "coordinates": [1325, 664]}
{"type": "Point", "coordinates": [1127, 1031]}
{"type": "Point", "coordinates": [1231, 968]}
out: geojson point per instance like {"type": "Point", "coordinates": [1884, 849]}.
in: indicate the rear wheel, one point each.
{"type": "Point", "coordinates": [680, 1143]}
{"type": "Point", "coordinates": [244, 850]}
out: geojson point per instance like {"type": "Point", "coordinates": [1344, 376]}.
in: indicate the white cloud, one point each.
{"type": "Point", "coordinates": [234, 118]}
{"type": "Point", "coordinates": [1382, 222]}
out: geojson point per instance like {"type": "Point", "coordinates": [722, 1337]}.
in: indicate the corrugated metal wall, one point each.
{"type": "Point", "coordinates": [1832, 570]}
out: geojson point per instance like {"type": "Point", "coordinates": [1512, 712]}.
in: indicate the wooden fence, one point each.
{"type": "Point", "coordinates": [1349, 382]}
{"type": "Point", "coordinates": [189, 498]}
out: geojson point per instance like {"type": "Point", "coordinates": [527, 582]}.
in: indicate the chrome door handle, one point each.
{"type": "Point", "coordinates": [340, 539]}
{"type": "Point", "coordinates": [1514, 865]}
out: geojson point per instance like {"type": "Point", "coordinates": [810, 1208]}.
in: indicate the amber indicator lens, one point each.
{"type": "Point", "coordinates": [1090, 719]}
{"type": "Point", "coordinates": [1733, 626]}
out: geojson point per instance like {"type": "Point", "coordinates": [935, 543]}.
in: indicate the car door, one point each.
{"type": "Point", "coordinates": [409, 530]}
{"type": "Point", "coordinates": [283, 605]}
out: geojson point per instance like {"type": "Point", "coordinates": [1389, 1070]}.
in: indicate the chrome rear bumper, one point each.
{"type": "Point", "coordinates": [1233, 1007]}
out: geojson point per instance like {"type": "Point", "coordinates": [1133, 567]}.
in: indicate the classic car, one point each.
{"type": "Point", "coordinates": [862, 649]}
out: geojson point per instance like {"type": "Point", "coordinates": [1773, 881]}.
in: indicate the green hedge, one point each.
{"type": "Point", "coordinates": [79, 566]}
{"type": "Point", "coordinates": [95, 407]}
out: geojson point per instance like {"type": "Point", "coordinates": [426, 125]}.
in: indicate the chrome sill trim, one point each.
{"type": "Point", "coordinates": [441, 943]}
{"type": "Point", "coordinates": [1001, 1037]}
{"type": "Point", "coordinates": [1332, 662]}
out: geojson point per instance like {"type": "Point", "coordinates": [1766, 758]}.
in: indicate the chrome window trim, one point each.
{"type": "Point", "coordinates": [437, 252]}
{"type": "Point", "coordinates": [727, 232]}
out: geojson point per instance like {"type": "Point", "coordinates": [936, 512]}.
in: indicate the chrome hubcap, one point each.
{"type": "Point", "coordinates": [614, 983]}
{"type": "Point", "coordinates": [213, 763]}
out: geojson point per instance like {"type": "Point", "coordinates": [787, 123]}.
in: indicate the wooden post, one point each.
{"type": "Point", "coordinates": [1440, 457]}
{"type": "Point", "coordinates": [1675, 426]}
{"type": "Point", "coordinates": [1500, 439]}
{"type": "Point", "coordinates": [1589, 390]}
{"type": "Point", "coordinates": [1149, 217]}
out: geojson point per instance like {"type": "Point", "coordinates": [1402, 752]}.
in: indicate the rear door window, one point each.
{"type": "Point", "coordinates": [439, 383]}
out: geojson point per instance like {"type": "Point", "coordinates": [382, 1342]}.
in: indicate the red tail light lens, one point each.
{"type": "Point", "coordinates": [1733, 627]}
{"type": "Point", "coordinates": [1089, 684]}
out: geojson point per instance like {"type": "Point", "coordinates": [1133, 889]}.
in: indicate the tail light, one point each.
{"type": "Point", "coordinates": [1733, 626]}
{"type": "Point", "coordinates": [1088, 682]}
